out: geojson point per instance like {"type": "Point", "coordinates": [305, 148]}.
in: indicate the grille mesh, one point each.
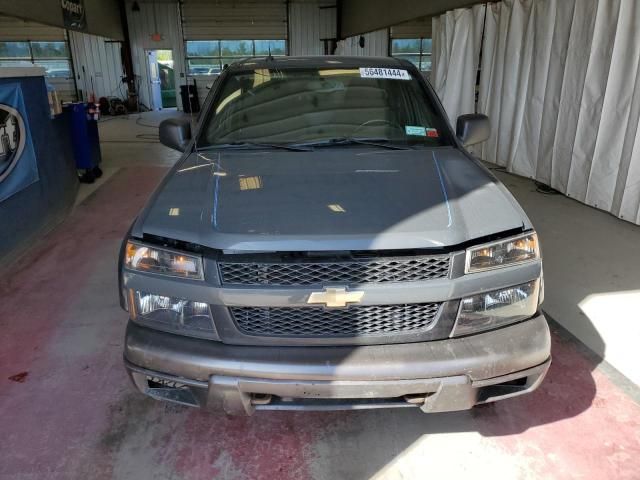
{"type": "Point", "coordinates": [398, 269]}
{"type": "Point", "coordinates": [347, 322]}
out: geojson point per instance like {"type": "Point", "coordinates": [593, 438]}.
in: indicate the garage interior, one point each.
{"type": "Point", "coordinates": [560, 82]}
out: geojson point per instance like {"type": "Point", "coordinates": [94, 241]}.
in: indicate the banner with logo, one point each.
{"type": "Point", "coordinates": [73, 15]}
{"type": "Point", "coordinates": [18, 166]}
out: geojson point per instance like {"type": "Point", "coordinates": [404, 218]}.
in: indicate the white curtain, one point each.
{"type": "Point", "coordinates": [457, 36]}
{"type": "Point", "coordinates": [560, 80]}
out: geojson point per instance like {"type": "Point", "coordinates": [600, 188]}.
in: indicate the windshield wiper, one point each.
{"type": "Point", "coordinates": [374, 142]}
{"type": "Point", "coordinates": [239, 145]}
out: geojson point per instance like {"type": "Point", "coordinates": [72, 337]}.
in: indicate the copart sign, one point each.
{"type": "Point", "coordinates": [74, 15]}
{"type": "Point", "coordinates": [18, 166]}
{"type": "Point", "coordinates": [12, 136]}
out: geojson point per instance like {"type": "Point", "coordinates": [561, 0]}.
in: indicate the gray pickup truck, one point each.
{"type": "Point", "coordinates": [326, 242]}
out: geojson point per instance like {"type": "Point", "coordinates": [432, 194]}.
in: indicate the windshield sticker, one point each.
{"type": "Point", "coordinates": [432, 132]}
{"type": "Point", "coordinates": [390, 73]}
{"type": "Point", "coordinates": [411, 130]}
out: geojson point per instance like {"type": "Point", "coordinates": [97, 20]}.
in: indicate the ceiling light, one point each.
{"type": "Point", "coordinates": [250, 183]}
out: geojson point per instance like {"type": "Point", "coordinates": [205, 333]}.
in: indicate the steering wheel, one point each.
{"type": "Point", "coordinates": [378, 121]}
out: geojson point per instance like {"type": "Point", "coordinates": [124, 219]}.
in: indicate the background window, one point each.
{"type": "Point", "coordinates": [416, 50]}
{"type": "Point", "coordinates": [277, 47]}
{"type": "Point", "coordinates": [203, 49]}
{"type": "Point", "coordinates": [236, 48]}
{"type": "Point", "coordinates": [15, 50]}
{"type": "Point", "coordinates": [49, 50]}
{"type": "Point", "coordinates": [53, 56]}
{"type": "Point", "coordinates": [208, 57]}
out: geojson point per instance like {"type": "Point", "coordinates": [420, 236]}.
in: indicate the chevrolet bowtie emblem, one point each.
{"type": "Point", "coordinates": [336, 297]}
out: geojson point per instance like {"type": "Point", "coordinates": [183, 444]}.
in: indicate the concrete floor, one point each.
{"type": "Point", "coordinates": [592, 272]}
{"type": "Point", "coordinates": [68, 411]}
{"type": "Point", "coordinates": [128, 141]}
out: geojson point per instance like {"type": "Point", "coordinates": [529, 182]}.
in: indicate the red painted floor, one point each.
{"type": "Point", "coordinates": [67, 409]}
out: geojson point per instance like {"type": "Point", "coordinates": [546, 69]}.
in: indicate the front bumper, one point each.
{"type": "Point", "coordinates": [437, 376]}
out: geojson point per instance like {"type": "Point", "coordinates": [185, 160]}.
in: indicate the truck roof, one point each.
{"type": "Point", "coordinates": [330, 61]}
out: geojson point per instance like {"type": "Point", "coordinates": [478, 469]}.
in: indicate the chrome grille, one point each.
{"type": "Point", "coordinates": [346, 322]}
{"type": "Point", "coordinates": [371, 270]}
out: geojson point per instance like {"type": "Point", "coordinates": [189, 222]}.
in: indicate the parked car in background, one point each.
{"type": "Point", "coordinates": [59, 73]}
{"type": "Point", "coordinates": [326, 242]}
{"type": "Point", "coordinates": [200, 69]}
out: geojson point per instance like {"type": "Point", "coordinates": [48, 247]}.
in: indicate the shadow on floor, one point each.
{"type": "Point", "coordinates": [590, 290]}
{"type": "Point", "coordinates": [341, 444]}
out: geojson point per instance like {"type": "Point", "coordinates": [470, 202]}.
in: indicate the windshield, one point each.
{"type": "Point", "coordinates": [322, 106]}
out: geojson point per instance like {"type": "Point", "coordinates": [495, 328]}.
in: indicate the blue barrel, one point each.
{"type": "Point", "coordinates": [84, 137]}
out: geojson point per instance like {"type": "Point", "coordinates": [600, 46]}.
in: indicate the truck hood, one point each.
{"type": "Point", "coordinates": [340, 198]}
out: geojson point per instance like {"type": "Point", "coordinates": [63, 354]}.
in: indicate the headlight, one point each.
{"type": "Point", "coordinates": [503, 253]}
{"type": "Point", "coordinates": [171, 314]}
{"type": "Point", "coordinates": [146, 258]}
{"type": "Point", "coordinates": [496, 309]}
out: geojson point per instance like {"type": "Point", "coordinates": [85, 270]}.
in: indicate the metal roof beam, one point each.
{"type": "Point", "coordinates": [362, 16]}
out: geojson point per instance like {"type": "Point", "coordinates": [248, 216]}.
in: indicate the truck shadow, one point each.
{"type": "Point", "coordinates": [368, 443]}
{"type": "Point", "coordinates": [353, 444]}
{"type": "Point", "coordinates": [374, 444]}
{"type": "Point", "coordinates": [568, 390]}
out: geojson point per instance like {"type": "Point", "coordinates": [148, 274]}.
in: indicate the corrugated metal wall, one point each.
{"type": "Point", "coordinates": [16, 30]}
{"type": "Point", "coordinates": [328, 20]}
{"type": "Point", "coordinates": [304, 29]}
{"type": "Point", "coordinates": [376, 44]}
{"type": "Point", "coordinates": [102, 16]}
{"type": "Point", "coordinates": [98, 65]}
{"type": "Point", "coordinates": [418, 28]}
{"type": "Point", "coordinates": [234, 20]}
{"type": "Point", "coordinates": [309, 23]}
{"type": "Point", "coordinates": [99, 57]}
{"type": "Point", "coordinates": [155, 17]}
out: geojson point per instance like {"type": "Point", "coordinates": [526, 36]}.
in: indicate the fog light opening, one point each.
{"type": "Point", "coordinates": [157, 382]}
{"type": "Point", "coordinates": [261, 398]}
{"type": "Point", "coordinates": [511, 388]}
{"type": "Point", "coordinates": [417, 398]}
{"type": "Point", "coordinates": [171, 391]}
